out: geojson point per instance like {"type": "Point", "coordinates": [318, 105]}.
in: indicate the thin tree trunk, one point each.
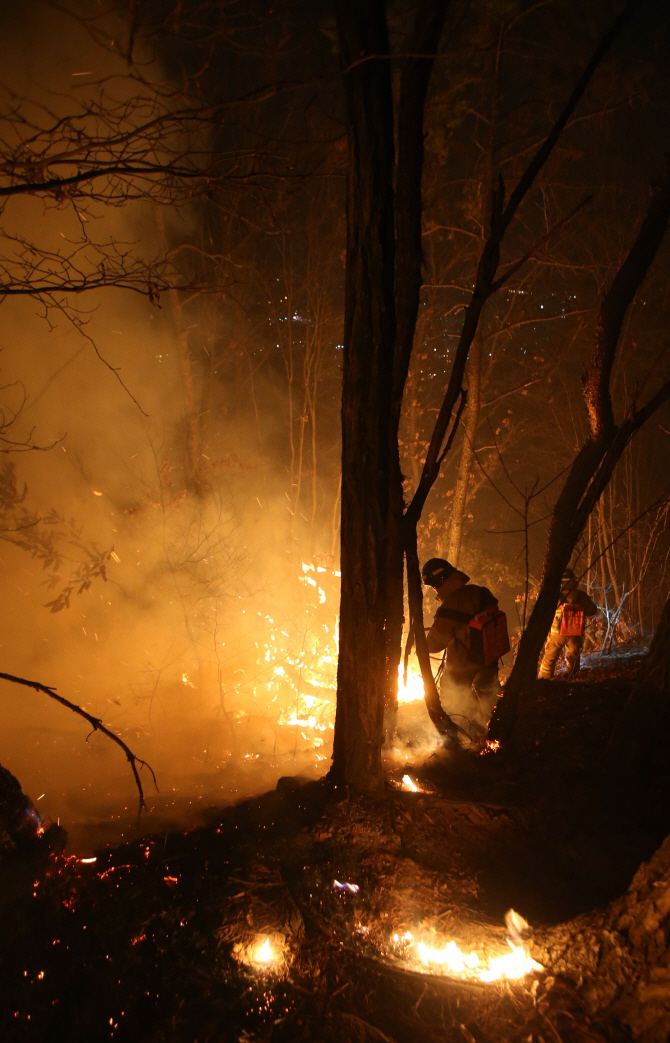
{"type": "Point", "coordinates": [191, 415]}
{"type": "Point", "coordinates": [609, 553]}
{"type": "Point", "coordinates": [471, 424]}
{"type": "Point", "coordinates": [335, 526]}
{"type": "Point", "coordinates": [589, 552]}
{"type": "Point", "coordinates": [473, 412]}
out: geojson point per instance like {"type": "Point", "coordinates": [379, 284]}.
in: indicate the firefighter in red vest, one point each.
{"type": "Point", "coordinates": [567, 629]}
{"type": "Point", "coordinates": [470, 684]}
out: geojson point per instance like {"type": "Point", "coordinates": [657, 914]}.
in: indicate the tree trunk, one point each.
{"type": "Point", "coordinates": [486, 188]}
{"type": "Point", "coordinates": [371, 555]}
{"type": "Point", "coordinates": [382, 289]}
{"type": "Point", "coordinates": [467, 450]}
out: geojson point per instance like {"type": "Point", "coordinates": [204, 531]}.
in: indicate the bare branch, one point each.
{"type": "Point", "coordinates": [96, 724]}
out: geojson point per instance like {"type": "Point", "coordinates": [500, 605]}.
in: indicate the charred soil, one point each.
{"type": "Point", "coordinates": [160, 940]}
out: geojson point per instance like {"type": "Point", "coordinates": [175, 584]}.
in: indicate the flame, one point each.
{"type": "Point", "coordinates": [509, 967]}
{"type": "Point", "coordinates": [297, 676]}
{"type": "Point", "coordinates": [514, 964]}
{"type": "Point", "coordinates": [264, 953]}
{"type": "Point", "coordinates": [413, 691]}
{"type": "Point", "coordinates": [410, 784]}
{"type": "Point", "coordinates": [451, 959]}
{"type": "Point", "coordinates": [450, 956]}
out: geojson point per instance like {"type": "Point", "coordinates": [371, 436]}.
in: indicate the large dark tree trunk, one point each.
{"type": "Point", "coordinates": [371, 551]}
{"type": "Point", "coordinates": [596, 460]}
{"type": "Point", "coordinates": [382, 289]}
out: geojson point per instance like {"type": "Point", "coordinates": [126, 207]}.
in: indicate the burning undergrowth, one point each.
{"type": "Point", "coordinates": [299, 917]}
{"type": "Point", "coordinates": [288, 919]}
{"type": "Point", "coordinates": [257, 922]}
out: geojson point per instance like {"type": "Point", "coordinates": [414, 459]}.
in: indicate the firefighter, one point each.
{"type": "Point", "coordinates": [567, 629]}
{"type": "Point", "coordinates": [469, 687]}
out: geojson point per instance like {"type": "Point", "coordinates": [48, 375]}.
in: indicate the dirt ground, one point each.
{"type": "Point", "coordinates": [149, 942]}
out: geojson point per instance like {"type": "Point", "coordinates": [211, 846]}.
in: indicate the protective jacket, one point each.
{"type": "Point", "coordinates": [455, 635]}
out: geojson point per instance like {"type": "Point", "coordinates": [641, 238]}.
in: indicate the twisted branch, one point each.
{"type": "Point", "coordinates": [97, 726]}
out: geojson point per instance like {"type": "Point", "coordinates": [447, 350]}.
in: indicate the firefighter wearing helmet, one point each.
{"type": "Point", "coordinates": [567, 629]}
{"type": "Point", "coordinates": [470, 683]}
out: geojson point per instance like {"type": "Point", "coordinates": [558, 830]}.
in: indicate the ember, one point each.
{"type": "Point", "coordinates": [409, 784]}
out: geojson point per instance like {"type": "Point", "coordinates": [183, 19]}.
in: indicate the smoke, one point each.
{"type": "Point", "coordinates": [208, 646]}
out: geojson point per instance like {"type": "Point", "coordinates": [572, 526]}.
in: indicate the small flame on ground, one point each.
{"type": "Point", "coordinates": [264, 953]}
{"type": "Point", "coordinates": [410, 784]}
{"type": "Point", "coordinates": [510, 966]}
{"type": "Point", "coordinates": [451, 959]}
{"type": "Point", "coordinates": [492, 745]}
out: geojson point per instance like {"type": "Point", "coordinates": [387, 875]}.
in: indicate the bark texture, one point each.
{"type": "Point", "coordinates": [382, 288]}
{"type": "Point", "coordinates": [371, 556]}
{"type": "Point", "coordinates": [470, 426]}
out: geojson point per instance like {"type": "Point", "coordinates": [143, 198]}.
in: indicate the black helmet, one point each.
{"type": "Point", "coordinates": [435, 571]}
{"type": "Point", "coordinates": [568, 574]}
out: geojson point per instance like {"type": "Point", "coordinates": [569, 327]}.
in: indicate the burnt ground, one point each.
{"type": "Point", "coordinates": [142, 944]}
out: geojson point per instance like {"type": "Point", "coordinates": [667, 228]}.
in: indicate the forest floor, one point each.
{"type": "Point", "coordinates": [160, 940]}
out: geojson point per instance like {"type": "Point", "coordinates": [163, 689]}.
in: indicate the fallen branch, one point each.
{"type": "Point", "coordinates": [97, 726]}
